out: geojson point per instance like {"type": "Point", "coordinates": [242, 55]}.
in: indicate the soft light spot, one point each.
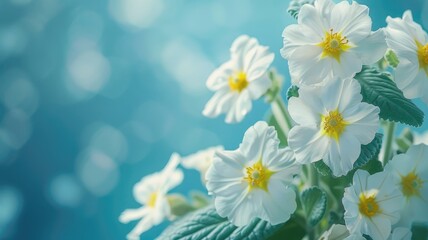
{"type": "Point", "coordinates": [368, 205]}
{"type": "Point", "coordinates": [238, 81]}
{"type": "Point", "coordinates": [152, 199]}
{"type": "Point", "coordinates": [423, 56]}
{"type": "Point", "coordinates": [333, 124]}
{"type": "Point", "coordinates": [333, 45]}
{"type": "Point", "coordinates": [411, 184]}
{"type": "Point", "coordinates": [258, 176]}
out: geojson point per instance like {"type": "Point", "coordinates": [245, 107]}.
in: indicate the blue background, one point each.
{"type": "Point", "coordinates": [95, 95]}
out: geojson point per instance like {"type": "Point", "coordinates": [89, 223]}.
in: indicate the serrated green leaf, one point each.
{"type": "Point", "coordinates": [295, 5]}
{"type": "Point", "coordinates": [207, 224]}
{"type": "Point", "coordinates": [369, 151]}
{"type": "Point", "coordinates": [314, 202]}
{"type": "Point", "coordinates": [378, 89]}
{"type": "Point", "coordinates": [293, 91]}
{"type": "Point", "coordinates": [391, 58]}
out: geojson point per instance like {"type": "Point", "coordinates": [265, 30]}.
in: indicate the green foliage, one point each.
{"type": "Point", "coordinates": [207, 224]}
{"type": "Point", "coordinates": [314, 202]}
{"type": "Point", "coordinates": [369, 151]}
{"type": "Point", "coordinates": [419, 232]}
{"type": "Point", "coordinates": [293, 229]}
{"type": "Point", "coordinates": [293, 91]}
{"type": "Point", "coordinates": [405, 140]}
{"type": "Point", "coordinates": [277, 80]}
{"type": "Point", "coordinates": [281, 135]}
{"type": "Point", "coordinates": [179, 205]}
{"type": "Point", "coordinates": [295, 5]}
{"type": "Point", "coordinates": [391, 58]}
{"type": "Point", "coordinates": [378, 89]}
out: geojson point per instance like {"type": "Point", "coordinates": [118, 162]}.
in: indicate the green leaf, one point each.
{"type": "Point", "coordinates": [293, 91]}
{"type": "Point", "coordinates": [199, 199]}
{"type": "Point", "coordinates": [207, 224]}
{"type": "Point", "coordinates": [314, 202]}
{"type": "Point", "coordinates": [405, 140]}
{"type": "Point", "coordinates": [373, 166]}
{"type": "Point", "coordinates": [277, 81]}
{"type": "Point", "coordinates": [419, 232]}
{"type": "Point", "coordinates": [293, 229]}
{"type": "Point", "coordinates": [295, 5]}
{"type": "Point", "coordinates": [380, 90]}
{"type": "Point", "coordinates": [391, 58]}
{"type": "Point", "coordinates": [369, 151]}
{"type": "Point", "coordinates": [179, 205]}
{"type": "Point", "coordinates": [322, 168]}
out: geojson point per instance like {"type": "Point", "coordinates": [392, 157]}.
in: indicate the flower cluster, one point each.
{"type": "Point", "coordinates": [322, 153]}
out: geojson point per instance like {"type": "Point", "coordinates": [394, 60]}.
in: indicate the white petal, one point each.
{"type": "Point", "coordinates": [257, 61]}
{"type": "Point", "coordinates": [295, 36]}
{"type": "Point", "coordinates": [259, 86]}
{"type": "Point", "coordinates": [350, 63]}
{"type": "Point", "coordinates": [133, 214]}
{"type": "Point", "coordinates": [342, 154]}
{"type": "Point", "coordinates": [311, 18]}
{"type": "Point", "coordinates": [363, 120]}
{"type": "Point", "coordinates": [405, 74]}
{"type": "Point", "coordinates": [239, 49]}
{"type": "Point", "coordinates": [273, 203]}
{"type": "Point", "coordinates": [307, 67]}
{"type": "Point", "coordinates": [401, 233]}
{"type": "Point", "coordinates": [255, 140]}
{"type": "Point", "coordinates": [341, 94]}
{"type": "Point", "coordinates": [324, 7]}
{"type": "Point", "coordinates": [241, 106]}
{"type": "Point", "coordinates": [221, 102]}
{"type": "Point", "coordinates": [307, 143]}
{"type": "Point", "coordinates": [352, 20]}
{"type": "Point", "coordinates": [304, 110]}
{"type": "Point", "coordinates": [401, 43]}
{"type": "Point", "coordinates": [280, 160]}
{"type": "Point", "coordinates": [379, 228]}
{"type": "Point", "coordinates": [220, 77]}
{"type": "Point", "coordinates": [372, 48]}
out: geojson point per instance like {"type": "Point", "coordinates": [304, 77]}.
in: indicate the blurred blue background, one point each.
{"type": "Point", "coordinates": [96, 94]}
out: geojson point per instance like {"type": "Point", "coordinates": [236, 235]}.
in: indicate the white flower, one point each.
{"type": "Point", "coordinates": [332, 124]}
{"type": "Point", "coordinates": [410, 43]}
{"type": "Point", "coordinates": [372, 204]}
{"type": "Point", "coordinates": [254, 180]}
{"type": "Point", "coordinates": [240, 80]}
{"type": "Point", "coordinates": [201, 160]}
{"type": "Point", "coordinates": [331, 40]}
{"type": "Point", "coordinates": [410, 171]}
{"type": "Point", "coordinates": [151, 193]}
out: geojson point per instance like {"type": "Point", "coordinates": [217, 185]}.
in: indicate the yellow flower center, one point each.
{"type": "Point", "coordinates": [422, 56]}
{"type": "Point", "coordinates": [368, 205]}
{"type": "Point", "coordinates": [152, 199]}
{"type": "Point", "coordinates": [258, 176]}
{"type": "Point", "coordinates": [411, 184]}
{"type": "Point", "coordinates": [238, 81]}
{"type": "Point", "coordinates": [333, 124]}
{"type": "Point", "coordinates": [333, 45]}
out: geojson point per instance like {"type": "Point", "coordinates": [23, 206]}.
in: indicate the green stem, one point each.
{"type": "Point", "coordinates": [313, 175]}
{"type": "Point", "coordinates": [281, 114]}
{"type": "Point", "coordinates": [389, 136]}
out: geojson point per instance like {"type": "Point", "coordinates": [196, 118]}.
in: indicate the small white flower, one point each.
{"type": "Point", "coordinates": [372, 204]}
{"type": "Point", "coordinates": [254, 180]}
{"type": "Point", "coordinates": [332, 124]}
{"type": "Point", "coordinates": [240, 80]}
{"type": "Point", "coordinates": [410, 43]}
{"type": "Point", "coordinates": [331, 40]}
{"type": "Point", "coordinates": [151, 192]}
{"type": "Point", "coordinates": [201, 160]}
{"type": "Point", "coordinates": [410, 171]}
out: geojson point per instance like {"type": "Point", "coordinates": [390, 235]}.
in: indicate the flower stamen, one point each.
{"type": "Point", "coordinates": [422, 56]}
{"type": "Point", "coordinates": [238, 81]}
{"type": "Point", "coordinates": [333, 124]}
{"type": "Point", "coordinates": [258, 176]}
{"type": "Point", "coordinates": [411, 184]}
{"type": "Point", "coordinates": [333, 45]}
{"type": "Point", "coordinates": [152, 199]}
{"type": "Point", "coordinates": [368, 205]}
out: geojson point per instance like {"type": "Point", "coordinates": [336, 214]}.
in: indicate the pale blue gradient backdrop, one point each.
{"type": "Point", "coordinates": [96, 94]}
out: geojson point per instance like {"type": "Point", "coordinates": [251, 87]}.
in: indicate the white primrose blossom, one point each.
{"type": "Point", "coordinates": [330, 41]}
{"type": "Point", "coordinates": [151, 192]}
{"type": "Point", "coordinates": [372, 204]}
{"type": "Point", "coordinates": [331, 124]}
{"type": "Point", "coordinates": [410, 43]}
{"type": "Point", "coordinates": [240, 80]}
{"type": "Point", "coordinates": [410, 171]}
{"type": "Point", "coordinates": [254, 181]}
{"type": "Point", "coordinates": [201, 160]}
